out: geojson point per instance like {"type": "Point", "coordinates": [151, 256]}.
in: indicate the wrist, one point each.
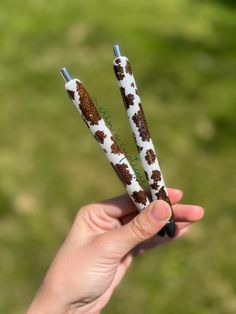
{"type": "Point", "coordinates": [38, 308]}
{"type": "Point", "coordinates": [44, 303]}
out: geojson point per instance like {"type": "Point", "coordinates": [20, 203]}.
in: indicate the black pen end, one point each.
{"type": "Point", "coordinates": [162, 232]}
{"type": "Point", "coordinates": [170, 228]}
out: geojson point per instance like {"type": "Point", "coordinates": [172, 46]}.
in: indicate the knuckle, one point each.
{"type": "Point", "coordinates": [82, 214]}
{"type": "Point", "coordinates": [140, 229]}
{"type": "Point", "coordinates": [84, 211]}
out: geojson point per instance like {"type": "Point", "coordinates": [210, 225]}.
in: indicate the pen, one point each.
{"type": "Point", "coordinates": [91, 116]}
{"type": "Point", "coordinates": [147, 153]}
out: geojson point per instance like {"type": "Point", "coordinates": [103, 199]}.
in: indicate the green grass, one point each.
{"type": "Point", "coordinates": [183, 53]}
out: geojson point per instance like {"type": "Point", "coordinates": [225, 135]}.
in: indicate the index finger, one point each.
{"type": "Point", "coordinates": [122, 205]}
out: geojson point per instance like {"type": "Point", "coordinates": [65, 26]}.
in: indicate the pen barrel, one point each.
{"type": "Point", "coordinates": [132, 102]}
{"type": "Point", "coordinates": [148, 156]}
{"type": "Point", "coordinates": [91, 116]}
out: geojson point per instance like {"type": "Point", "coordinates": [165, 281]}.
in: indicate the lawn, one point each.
{"type": "Point", "coordinates": [183, 53]}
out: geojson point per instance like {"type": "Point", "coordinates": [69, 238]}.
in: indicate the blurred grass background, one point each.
{"type": "Point", "coordinates": [183, 54]}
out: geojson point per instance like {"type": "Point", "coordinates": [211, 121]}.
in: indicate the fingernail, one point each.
{"type": "Point", "coordinates": [160, 211]}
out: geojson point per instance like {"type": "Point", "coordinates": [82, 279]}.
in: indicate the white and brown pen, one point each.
{"type": "Point", "coordinates": [96, 124]}
{"type": "Point", "coordinates": [147, 153]}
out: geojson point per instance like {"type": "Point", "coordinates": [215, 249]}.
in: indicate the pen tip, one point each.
{"type": "Point", "coordinates": [65, 74]}
{"type": "Point", "coordinates": [116, 50]}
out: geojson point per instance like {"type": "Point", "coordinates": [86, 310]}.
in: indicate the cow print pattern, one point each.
{"type": "Point", "coordinates": [162, 195]}
{"type": "Point", "coordinates": [139, 127]}
{"type": "Point", "coordinates": [156, 177]}
{"type": "Point", "coordinates": [139, 148]}
{"type": "Point", "coordinates": [102, 134]}
{"type": "Point", "coordinates": [119, 71]}
{"type": "Point", "coordinates": [71, 94]}
{"type": "Point", "coordinates": [140, 197]}
{"type": "Point", "coordinates": [128, 68]}
{"type": "Point", "coordinates": [129, 100]}
{"type": "Point", "coordinates": [150, 156]}
{"type": "Point", "coordinates": [115, 149]}
{"type": "Point", "coordinates": [87, 106]}
{"type": "Point", "coordinates": [124, 172]}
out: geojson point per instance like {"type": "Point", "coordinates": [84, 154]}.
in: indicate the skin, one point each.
{"type": "Point", "coordinates": [100, 246]}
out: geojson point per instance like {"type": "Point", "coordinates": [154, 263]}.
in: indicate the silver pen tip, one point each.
{"type": "Point", "coordinates": [65, 74]}
{"type": "Point", "coordinates": [116, 50]}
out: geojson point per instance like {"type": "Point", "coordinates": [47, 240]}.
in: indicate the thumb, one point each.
{"type": "Point", "coordinates": [144, 226]}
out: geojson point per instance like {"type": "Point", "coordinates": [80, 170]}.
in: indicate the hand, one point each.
{"type": "Point", "coordinates": [100, 247]}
